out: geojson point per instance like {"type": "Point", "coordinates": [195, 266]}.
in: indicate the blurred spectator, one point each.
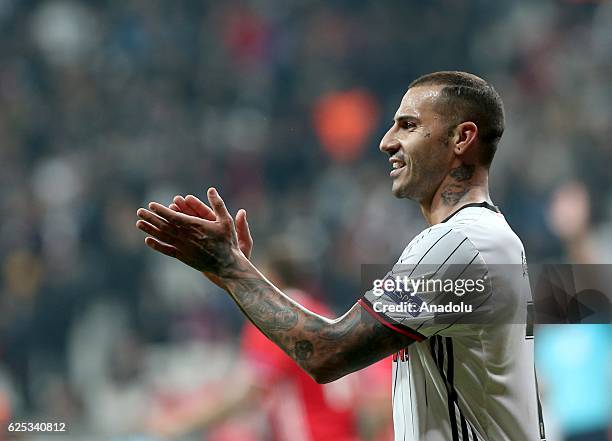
{"type": "Point", "coordinates": [106, 105]}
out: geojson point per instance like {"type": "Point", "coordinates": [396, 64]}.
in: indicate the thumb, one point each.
{"type": "Point", "coordinates": [245, 240]}
{"type": "Point", "coordinates": [218, 205]}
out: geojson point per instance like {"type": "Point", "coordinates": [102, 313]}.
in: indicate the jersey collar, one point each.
{"type": "Point", "coordinates": [483, 204]}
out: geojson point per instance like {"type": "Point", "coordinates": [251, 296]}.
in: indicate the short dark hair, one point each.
{"type": "Point", "coordinates": [466, 97]}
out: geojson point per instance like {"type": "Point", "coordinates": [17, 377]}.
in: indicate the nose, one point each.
{"type": "Point", "coordinates": [389, 143]}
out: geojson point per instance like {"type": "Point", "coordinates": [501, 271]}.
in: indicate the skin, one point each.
{"type": "Point", "coordinates": [442, 173]}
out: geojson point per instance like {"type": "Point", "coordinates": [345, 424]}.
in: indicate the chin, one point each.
{"type": "Point", "coordinates": [400, 192]}
{"type": "Point", "coordinates": [397, 192]}
{"type": "Point", "coordinates": [405, 191]}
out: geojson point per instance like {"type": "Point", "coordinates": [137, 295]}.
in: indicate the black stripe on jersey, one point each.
{"type": "Point", "coordinates": [411, 410]}
{"type": "Point", "coordinates": [441, 355]}
{"type": "Point", "coordinates": [540, 417]}
{"type": "Point", "coordinates": [395, 380]}
{"type": "Point", "coordinates": [449, 256]}
{"type": "Point", "coordinates": [474, 437]}
{"type": "Point", "coordinates": [460, 274]}
{"type": "Point", "coordinates": [451, 393]}
{"type": "Point", "coordinates": [459, 318]}
{"type": "Point", "coordinates": [426, 252]}
{"type": "Point", "coordinates": [403, 405]}
{"type": "Point", "coordinates": [414, 243]}
{"type": "Point", "coordinates": [465, 436]}
{"type": "Point", "coordinates": [432, 348]}
{"type": "Point", "coordinates": [441, 265]}
{"type": "Point", "coordinates": [437, 346]}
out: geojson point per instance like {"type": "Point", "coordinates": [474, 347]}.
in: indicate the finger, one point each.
{"type": "Point", "coordinates": [155, 232]}
{"type": "Point", "coordinates": [184, 207]}
{"type": "Point", "coordinates": [170, 216]}
{"type": "Point", "coordinates": [245, 240]}
{"type": "Point", "coordinates": [156, 221]}
{"type": "Point", "coordinates": [175, 208]}
{"type": "Point", "coordinates": [161, 247]}
{"type": "Point", "coordinates": [218, 205]}
{"type": "Point", "coordinates": [200, 207]}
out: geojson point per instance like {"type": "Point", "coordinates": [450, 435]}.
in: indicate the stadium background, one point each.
{"type": "Point", "coordinates": [107, 105]}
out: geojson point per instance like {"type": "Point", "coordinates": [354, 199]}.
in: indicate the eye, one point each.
{"type": "Point", "coordinates": [407, 125]}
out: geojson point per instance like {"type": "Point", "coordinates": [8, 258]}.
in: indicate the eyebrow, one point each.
{"type": "Point", "coordinates": [401, 118]}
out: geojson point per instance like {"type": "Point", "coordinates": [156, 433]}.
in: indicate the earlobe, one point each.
{"type": "Point", "coordinates": [466, 135]}
{"type": "Point", "coordinates": [459, 141]}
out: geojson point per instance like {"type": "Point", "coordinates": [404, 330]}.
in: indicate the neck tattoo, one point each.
{"type": "Point", "coordinates": [453, 192]}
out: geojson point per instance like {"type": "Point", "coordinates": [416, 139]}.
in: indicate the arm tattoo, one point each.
{"type": "Point", "coordinates": [303, 350]}
{"type": "Point", "coordinates": [453, 192]}
{"type": "Point", "coordinates": [326, 349]}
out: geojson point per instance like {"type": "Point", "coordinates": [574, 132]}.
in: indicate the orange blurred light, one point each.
{"type": "Point", "coordinates": [343, 122]}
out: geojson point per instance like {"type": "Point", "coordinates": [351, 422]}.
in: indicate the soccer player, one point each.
{"type": "Point", "coordinates": [453, 379]}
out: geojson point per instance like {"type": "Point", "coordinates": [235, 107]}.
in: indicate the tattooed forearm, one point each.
{"type": "Point", "coordinates": [260, 308]}
{"type": "Point", "coordinates": [303, 350]}
{"type": "Point", "coordinates": [326, 349]}
{"type": "Point", "coordinates": [454, 191]}
{"type": "Point", "coordinates": [277, 319]}
{"type": "Point", "coordinates": [314, 325]}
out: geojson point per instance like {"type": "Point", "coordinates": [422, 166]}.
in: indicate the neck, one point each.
{"type": "Point", "coordinates": [463, 185]}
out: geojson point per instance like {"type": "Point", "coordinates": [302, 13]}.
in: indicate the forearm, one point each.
{"type": "Point", "coordinates": [326, 349]}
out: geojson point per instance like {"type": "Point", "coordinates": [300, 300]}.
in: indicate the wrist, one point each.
{"type": "Point", "coordinates": [239, 268]}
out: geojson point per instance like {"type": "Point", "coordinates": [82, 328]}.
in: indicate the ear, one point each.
{"type": "Point", "coordinates": [465, 137]}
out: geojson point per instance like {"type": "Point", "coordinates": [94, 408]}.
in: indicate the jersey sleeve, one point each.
{"type": "Point", "coordinates": [440, 285]}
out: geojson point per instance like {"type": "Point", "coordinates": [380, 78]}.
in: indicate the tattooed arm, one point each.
{"type": "Point", "coordinates": [325, 349]}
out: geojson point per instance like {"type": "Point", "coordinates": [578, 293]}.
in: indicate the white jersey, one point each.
{"type": "Point", "coordinates": [470, 375]}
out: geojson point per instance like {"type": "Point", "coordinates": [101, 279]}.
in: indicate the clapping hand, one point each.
{"type": "Point", "coordinates": [205, 238]}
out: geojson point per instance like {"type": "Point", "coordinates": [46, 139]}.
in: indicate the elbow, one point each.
{"type": "Point", "coordinates": [322, 378]}
{"type": "Point", "coordinates": [324, 374]}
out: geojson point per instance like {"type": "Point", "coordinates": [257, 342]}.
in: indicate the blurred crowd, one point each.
{"type": "Point", "coordinates": [106, 105]}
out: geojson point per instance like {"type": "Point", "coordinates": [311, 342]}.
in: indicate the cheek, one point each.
{"type": "Point", "coordinates": [429, 161]}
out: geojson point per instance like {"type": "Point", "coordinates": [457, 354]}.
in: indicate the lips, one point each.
{"type": "Point", "coordinates": [397, 166]}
